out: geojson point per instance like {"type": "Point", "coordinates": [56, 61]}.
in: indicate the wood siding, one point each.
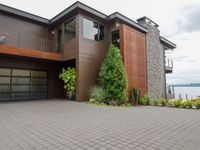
{"type": "Point", "coordinates": [133, 50]}
{"type": "Point", "coordinates": [26, 34]}
{"type": "Point", "coordinates": [91, 55]}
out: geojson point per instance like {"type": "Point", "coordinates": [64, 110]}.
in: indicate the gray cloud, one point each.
{"type": "Point", "coordinates": [191, 19]}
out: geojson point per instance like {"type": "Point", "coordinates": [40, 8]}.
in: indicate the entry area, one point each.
{"type": "Point", "coordinates": [22, 84]}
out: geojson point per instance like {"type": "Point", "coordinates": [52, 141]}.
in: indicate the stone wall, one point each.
{"type": "Point", "coordinates": [155, 63]}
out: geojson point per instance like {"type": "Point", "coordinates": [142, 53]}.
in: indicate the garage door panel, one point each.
{"type": "Point", "coordinates": [4, 88]}
{"type": "Point", "coordinates": [20, 88]}
{"type": "Point", "coordinates": [20, 72]}
{"type": "Point", "coordinates": [5, 72]}
{"type": "Point", "coordinates": [20, 96]}
{"type": "Point", "coordinates": [38, 81]}
{"type": "Point", "coordinates": [38, 95]}
{"type": "Point", "coordinates": [5, 80]}
{"type": "Point", "coordinates": [20, 80]}
{"type": "Point", "coordinates": [22, 84]}
{"type": "Point", "coordinates": [38, 73]}
{"type": "Point", "coordinates": [4, 96]}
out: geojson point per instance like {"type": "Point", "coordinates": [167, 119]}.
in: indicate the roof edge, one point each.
{"type": "Point", "coordinates": [80, 6]}
{"type": "Point", "coordinates": [24, 14]}
{"type": "Point", "coordinates": [128, 20]}
{"type": "Point", "coordinates": [169, 43]}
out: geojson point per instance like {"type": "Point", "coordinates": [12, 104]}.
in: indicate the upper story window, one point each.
{"type": "Point", "coordinates": [93, 30]}
{"type": "Point", "coordinates": [70, 29]}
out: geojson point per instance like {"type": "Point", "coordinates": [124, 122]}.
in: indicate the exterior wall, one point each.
{"type": "Point", "coordinates": [134, 54]}
{"type": "Point", "coordinates": [55, 86]}
{"type": "Point", "coordinates": [91, 55]}
{"type": "Point", "coordinates": [23, 33]}
{"type": "Point", "coordinates": [155, 63]}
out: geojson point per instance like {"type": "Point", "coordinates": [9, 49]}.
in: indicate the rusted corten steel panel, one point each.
{"type": "Point", "coordinates": [133, 49]}
{"type": "Point", "coordinates": [10, 50]}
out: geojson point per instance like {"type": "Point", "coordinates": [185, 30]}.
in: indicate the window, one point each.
{"type": "Point", "coordinates": [70, 30]}
{"type": "Point", "coordinates": [93, 30]}
{"type": "Point", "coordinates": [116, 38]}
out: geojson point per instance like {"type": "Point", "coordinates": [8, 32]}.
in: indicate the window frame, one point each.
{"type": "Point", "coordinates": [65, 33]}
{"type": "Point", "coordinates": [98, 29]}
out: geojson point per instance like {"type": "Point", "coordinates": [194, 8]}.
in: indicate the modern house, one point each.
{"type": "Point", "coordinates": [34, 49]}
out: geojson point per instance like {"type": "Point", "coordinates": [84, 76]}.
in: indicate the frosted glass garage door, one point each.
{"type": "Point", "coordinates": [22, 84]}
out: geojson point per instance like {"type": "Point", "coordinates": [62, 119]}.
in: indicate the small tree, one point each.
{"type": "Point", "coordinates": [69, 78]}
{"type": "Point", "coordinates": [112, 76]}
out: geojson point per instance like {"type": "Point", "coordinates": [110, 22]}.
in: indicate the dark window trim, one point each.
{"type": "Point", "coordinates": [99, 24]}
{"type": "Point", "coordinates": [67, 21]}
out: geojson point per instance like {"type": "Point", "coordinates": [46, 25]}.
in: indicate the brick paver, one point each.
{"type": "Point", "coordinates": [65, 125]}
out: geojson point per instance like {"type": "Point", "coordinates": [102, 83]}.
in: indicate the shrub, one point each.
{"type": "Point", "coordinates": [183, 104]}
{"type": "Point", "coordinates": [135, 96]}
{"type": "Point", "coordinates": [177, 103]}
{"type": "Point", "coordinates": [171, 103]}
{"type": "Point", "coordinates": [163, 102]}
{"type": "Point", "coordinates": [187, 104]}
{"type": "Point", "coordinates": [197, 103]}
{"type": "Point", "coordinates": [156, 102]}
{"type": "Point", "coordinates": [144, 101]}
{"type": "Point", "coordinates": [69, 78]}
{"type": "Point", "coordinates": [112, 76]}
{"type": "Point", "coordinates": [97, 94]}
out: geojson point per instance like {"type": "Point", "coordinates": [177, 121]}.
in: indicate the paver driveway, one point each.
{"type": "Point", "coordinates": [63, 125]}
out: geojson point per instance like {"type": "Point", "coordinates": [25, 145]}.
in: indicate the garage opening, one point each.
{"type": "Point", "coordinates": [22, 84]}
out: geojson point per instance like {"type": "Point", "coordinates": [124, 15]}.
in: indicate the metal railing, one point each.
{"type": "Point", "coordinates": [20, 40]}
{"type": "Point", "coordinates": [170, 92]}
{"type": "Point", "coordinates": [169, 63]}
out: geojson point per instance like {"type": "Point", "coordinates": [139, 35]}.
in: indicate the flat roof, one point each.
{"type": "Point", "coordinates": [24, 14]}
{"type": "Point", "coordinates": [167, 43]}
{"type": "Point", "coordinates": [74, 6]}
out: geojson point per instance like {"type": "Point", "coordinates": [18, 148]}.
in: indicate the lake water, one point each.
{"type": "Point", "coordinates": [192, 92]}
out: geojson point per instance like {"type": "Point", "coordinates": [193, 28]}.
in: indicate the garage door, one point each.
{"type": "Point", "coordinates": [21, 84]}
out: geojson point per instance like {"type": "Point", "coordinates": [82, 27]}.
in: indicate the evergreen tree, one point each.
{"type": "Point", "coordinates": [112, 76]}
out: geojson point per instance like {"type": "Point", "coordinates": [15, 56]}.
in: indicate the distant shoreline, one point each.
{"type": "Point", "coordinates": [187, 85]}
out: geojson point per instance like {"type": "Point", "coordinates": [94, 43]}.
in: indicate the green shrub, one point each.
{"type": "Point", "coordinates": [183, 104]}
{"type": "Point", "coordinates": [69, 78]}
{"type": "Point", "coordinates": [98, 94]}
{"type": "Point", "coordinates": [135, 96]}
{"type": "Point", "coordinates": [171, 103]}
{"type": "Point", "coordinates": [197, 103]}
{"type": "Point", "coordinates": [163, 102]}
{"type": "Point", "coordinates": [112, 76]}
{"type": "Point", "coordinates": [156, 102]}
{"type": "Point", "coordinates": [187, 104]}
{"type": "Point", "coordinates": [144, 101]}
{"type": "Point", "coordinates": [177, 103]}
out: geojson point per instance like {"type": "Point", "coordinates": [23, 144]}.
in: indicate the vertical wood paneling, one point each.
{"type": "Point", "coordinates": [133, 50]}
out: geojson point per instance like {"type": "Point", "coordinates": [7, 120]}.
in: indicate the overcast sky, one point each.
{"type": "Point", "coordinates": [179, 22]}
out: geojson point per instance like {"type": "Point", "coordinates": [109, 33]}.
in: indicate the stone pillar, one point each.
{"type": "Point", "coordinates": [156, 79]}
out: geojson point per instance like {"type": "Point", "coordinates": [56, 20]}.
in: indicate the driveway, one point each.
{"type": "Point", "coordinates": [65, 125]}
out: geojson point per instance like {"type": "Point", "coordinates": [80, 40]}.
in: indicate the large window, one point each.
{"type": "Point", "coordinates": [93, 30]}
{"type": "Point", "coordinates": [70, 29]}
